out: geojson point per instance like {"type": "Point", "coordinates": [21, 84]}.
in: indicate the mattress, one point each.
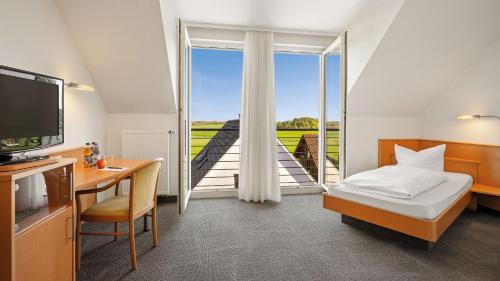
{"type": "Point", "coordinates": [427, 205]}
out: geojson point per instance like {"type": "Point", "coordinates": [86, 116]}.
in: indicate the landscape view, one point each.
{"type": "Point", "coordinates": [288, 132]}
{"type": "Point", "coordinates": [215, 109]}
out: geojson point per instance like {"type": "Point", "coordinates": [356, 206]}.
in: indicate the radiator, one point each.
{"type": "Point", "coordinates": [148, 145]}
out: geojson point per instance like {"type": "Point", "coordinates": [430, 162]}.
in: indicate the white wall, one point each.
{"type": "Point", "coordinates": [171, 31]}
{"type": "Point", "coordinates": [123, 45]}
{"type": "Point", "coordinates": [475, 91]}
{"type": "Point", "coordinates": [428, 44]}
{"type": "Point", "coordinates": [117, 122]}
{"type": "Point", "coordinates": [34, 37]}
{"type": "Point", "coordinates": [363, 134]}
{"type": "Point", "coordinates": [364, 35]}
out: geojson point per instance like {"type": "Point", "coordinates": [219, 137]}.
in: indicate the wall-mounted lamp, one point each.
{"type": "Point", "coordinates": [475, 116]}
{"type": "Point", "coordinates": [80, 87]}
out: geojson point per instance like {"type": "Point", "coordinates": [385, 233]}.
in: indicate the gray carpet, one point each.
{"type": "Point", "coordinates": [226, 239]}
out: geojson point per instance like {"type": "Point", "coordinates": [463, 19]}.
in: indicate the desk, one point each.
{"type": "Point", "coordinates": [86, 178]}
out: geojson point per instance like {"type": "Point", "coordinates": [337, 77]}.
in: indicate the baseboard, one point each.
{"type": "Point", "coordinates": [166, 198]}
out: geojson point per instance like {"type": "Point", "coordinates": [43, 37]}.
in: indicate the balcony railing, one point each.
{"type": "Point", "coordinates": [215, 157]}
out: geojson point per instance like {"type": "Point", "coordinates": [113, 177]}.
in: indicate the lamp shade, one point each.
{"type": "Point", "coordinates": [80, 87]}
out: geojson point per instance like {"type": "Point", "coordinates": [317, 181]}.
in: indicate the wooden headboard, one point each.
{"type": "Point", "coordinates": [482, 162]}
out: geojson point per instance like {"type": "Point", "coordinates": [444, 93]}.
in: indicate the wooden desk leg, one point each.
{"type": "Point", "coordinates": [473, 202]}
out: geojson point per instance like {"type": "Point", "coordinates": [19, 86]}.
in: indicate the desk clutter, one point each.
{"type": "Point", "coordinates": [91, 152]}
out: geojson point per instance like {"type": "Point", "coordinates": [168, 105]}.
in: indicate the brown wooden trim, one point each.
{"type": "Point", "coordinates": [27, 165]}
{"type": "Point", "coordinates": [75, 152]}
{"type": "Point", "coordinates": [429, 230]}
{"type": "Point", "coordinates": [449, 215]}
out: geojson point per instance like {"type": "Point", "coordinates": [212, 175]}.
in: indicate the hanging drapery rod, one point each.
{"type": "Point", "coordinates": [236, 43]}
{"type": "Point", "coordinates": [256, 28]}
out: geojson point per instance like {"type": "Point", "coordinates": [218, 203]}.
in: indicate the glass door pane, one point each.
{"type": "Point", "coordinates": [297, 111]}
{"type": "Point", "coordinates": [333, 117]}
{"type": "Point", "coordinates": [216, 95]}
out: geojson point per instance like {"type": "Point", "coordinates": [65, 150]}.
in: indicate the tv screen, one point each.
{"type": "Point", "coordinates": [31, 115]}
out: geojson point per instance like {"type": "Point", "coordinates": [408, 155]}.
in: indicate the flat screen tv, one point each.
{"type": "Point", "coordinates": [31, 111]}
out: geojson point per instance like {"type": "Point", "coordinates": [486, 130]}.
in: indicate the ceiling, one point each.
{"type": "Point", "coordinates": [417, 59]}
{"type": "Point", "coordinates": [328, 16]}
{"type": "Point", "coordinates": [123, 45]}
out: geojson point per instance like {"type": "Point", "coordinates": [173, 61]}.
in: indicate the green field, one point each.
{"type": "Point", "coordinates": [289, 139]}
{"type": "Point", "coordinates": [200, 138]}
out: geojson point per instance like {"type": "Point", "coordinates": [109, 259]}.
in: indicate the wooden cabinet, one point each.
{"type": "Point", "coordinates": [45, 252]}
{"type": "Point", "coordinates": [37, 233]}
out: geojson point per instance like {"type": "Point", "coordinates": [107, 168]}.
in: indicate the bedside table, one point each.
{"type": "Point", "coordinates": [481, 189]}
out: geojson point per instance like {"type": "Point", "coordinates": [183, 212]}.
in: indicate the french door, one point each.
{"type": "Point", "coordinates": [184, 118]}
{"type": "Point", "coordinates": [332, 121]}
{"type": "Point", "coordinates": [330, 147]}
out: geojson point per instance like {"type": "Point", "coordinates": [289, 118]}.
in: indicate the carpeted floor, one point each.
{"type": "Point", "coordinates": [226, 239]}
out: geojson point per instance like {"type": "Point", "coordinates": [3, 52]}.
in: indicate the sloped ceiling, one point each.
{"type": "Point", "coordinates": [122, 42]}
{"type": "Point", "coordinates": [427, 46]}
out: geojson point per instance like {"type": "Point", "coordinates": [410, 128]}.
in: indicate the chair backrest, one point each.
{"type": "Point", "coordinates": [146, 179]}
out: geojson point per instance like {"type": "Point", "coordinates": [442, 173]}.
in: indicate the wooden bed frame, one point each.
{"type": "Point", "coordinates": [482, 162]}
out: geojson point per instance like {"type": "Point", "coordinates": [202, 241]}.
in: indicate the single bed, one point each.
{"type": "Point", "coordinates": [425, 216]}
{"type": "Point", "coordinates": [427, 205]}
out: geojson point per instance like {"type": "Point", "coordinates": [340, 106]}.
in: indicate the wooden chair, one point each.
{"type": "Point", "coordinates": [123, 208]}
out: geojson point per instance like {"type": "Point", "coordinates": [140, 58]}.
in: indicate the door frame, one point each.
{"type": "Point", "coordinates": [339, 42]}
{"type": "Point", "coordinates": [184, 118]}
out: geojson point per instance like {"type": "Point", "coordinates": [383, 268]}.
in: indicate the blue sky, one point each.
{"type": "Point", "coordinates": [216, 85]}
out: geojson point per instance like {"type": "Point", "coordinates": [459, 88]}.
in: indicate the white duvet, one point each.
{"type": "Point", "coordinates": [396, 181]}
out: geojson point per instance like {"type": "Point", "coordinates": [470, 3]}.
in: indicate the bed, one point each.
{"type": "Point", "coordinates": [425, 216]}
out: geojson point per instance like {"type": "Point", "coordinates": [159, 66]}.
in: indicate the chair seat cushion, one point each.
{"type": "Point", "coordinates": [108, 209]}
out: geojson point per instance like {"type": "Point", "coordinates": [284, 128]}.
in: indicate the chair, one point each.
{"type": "Point", "coordinates": [123, 208]}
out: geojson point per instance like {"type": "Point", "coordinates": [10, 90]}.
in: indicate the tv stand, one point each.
{"type": "Point", "coordinates": [6, 159]}
{"type": "Point", "coordinates": [25, 162]}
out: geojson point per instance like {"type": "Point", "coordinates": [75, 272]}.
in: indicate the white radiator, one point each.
{"type": "Point", "coordinates": [148, 145]}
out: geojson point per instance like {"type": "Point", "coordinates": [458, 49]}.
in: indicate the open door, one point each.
{"type": "Point", "coordinates": [184, 119]}
{"type": "Point", "coordinates": [333, 112]}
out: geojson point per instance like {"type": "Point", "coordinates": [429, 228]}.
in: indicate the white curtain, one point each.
{"type": "Point", "coordinates": [259, 175]}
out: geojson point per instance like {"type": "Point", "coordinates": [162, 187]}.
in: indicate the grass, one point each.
{"type": "Point", "coordinates": [289, 139]}
{"type": "Point", "coordinates": [207, 126]}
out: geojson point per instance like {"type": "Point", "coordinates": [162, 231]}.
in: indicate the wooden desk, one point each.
{"type": "Point", "coordinates": [86, 178]}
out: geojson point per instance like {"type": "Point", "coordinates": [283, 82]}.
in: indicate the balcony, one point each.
{"type": "Point", "coordinates": [215, 157]}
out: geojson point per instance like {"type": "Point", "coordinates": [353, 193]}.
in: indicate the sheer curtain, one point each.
{"type": "Point", "coordinates": [259, 175]}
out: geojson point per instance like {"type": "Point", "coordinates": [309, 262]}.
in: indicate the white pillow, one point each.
{"type": "Point", "coordinates": [430, 158]}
